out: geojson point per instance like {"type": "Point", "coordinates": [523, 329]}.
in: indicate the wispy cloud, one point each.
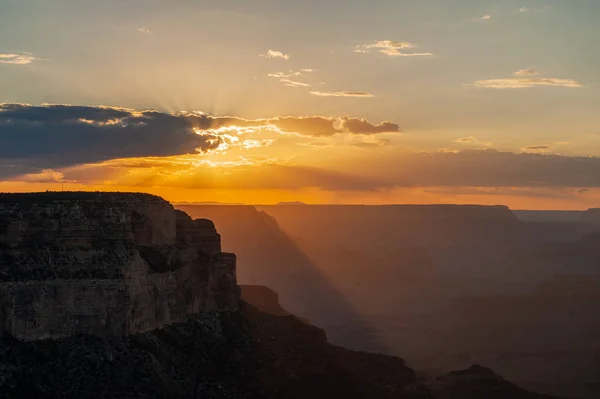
{"type": "Point", "coordinates": [290, 78]}
{"type": "Point", "coordinates": [17, 59]}
{"type": "Point", "coordinates": [485, 18]}
{"type": "Point", "coordinates": [359, 94]}
{"type": "Point", "coordinates": [526, 72]}
{"type": "Point", "coordinates": [144, 30]}
{"type": "Point", "coordinates": [472, 141]}
{"type": "Point", "coordinates": [530, 10]}
{"type": "Point", "coordinates": [391, 48]}
{"type": "Point", "coordinates": [535, 148]}
{"type": "Point", "coordinates": [275, 54]}
{"type": "Point", "coordinates": [523, 83]}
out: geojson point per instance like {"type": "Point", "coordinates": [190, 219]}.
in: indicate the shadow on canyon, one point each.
{"type": "Point", "coordinates": [440, 286]}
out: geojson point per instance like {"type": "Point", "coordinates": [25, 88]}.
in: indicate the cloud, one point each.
{"type": "Point", "coordinates": [389, 168]}
{"type": "Point", "coordinates": [144, 30]}
{"type": "Point", "coordinates": [486, 168]}
{"type": "Point", "coordinates": [290, 77]}
{"type": "Point", "coordinates": [485, 18]}
{"type": "Point", "coordinates": [247, 144]}
{"type": "Point", "coordinates": [275, 54]}
{"type": "Point", "coordinates": [469, 139]}
{"type": "Point", "coordinates": [50, 136]}
{"type": "Point", "coordinates": [360, 94]}
{"type": "Point", "coordinates": [309, 126]}
{"type": "Point", "coordinates": [472, 141]}
{"type": "Point", "coordinates": [391, 48]}
{"type": "Point", "coordinates": [240, 174]}
{"type": "Point", "coordinates": [17, 59]}
{"type": "Point", "coordinates": [45, 176]}
{"type": "Point", "coordinates": [535, 192]}
{"type": "Point", "coordinates": [524, 9]}
{"type": "Point", "coordinates": [536, 148]}
{"type": "Point", "coordinates": [523, 83]}
{"type": "Point", "coordinates": [363, 126]}
{"type": "Point", "coordinates": [35, 138]}
{"type": "Point", "coordinates": [526, 72]}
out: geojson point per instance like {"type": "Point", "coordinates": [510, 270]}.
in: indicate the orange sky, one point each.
{"type": "Point", "coordinates": [337, 101]}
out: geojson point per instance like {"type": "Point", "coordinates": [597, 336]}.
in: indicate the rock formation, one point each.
{"type": "Point", "coordinates": [118, 295]}
{"type": "Point", "coordinates": [106, 264]}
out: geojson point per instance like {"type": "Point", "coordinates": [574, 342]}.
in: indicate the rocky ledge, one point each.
{"type": "Point", "coordinates": [106, 264]}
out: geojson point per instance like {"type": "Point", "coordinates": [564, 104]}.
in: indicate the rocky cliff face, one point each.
{"type": "Point", "coordinates": [106, 264]}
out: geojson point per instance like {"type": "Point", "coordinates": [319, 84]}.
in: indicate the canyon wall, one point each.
{"type": "Point", "coordinates": [106, 264]}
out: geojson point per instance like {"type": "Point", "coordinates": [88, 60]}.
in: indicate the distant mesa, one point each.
{"type": "Point", "coordinates": [206, 203]}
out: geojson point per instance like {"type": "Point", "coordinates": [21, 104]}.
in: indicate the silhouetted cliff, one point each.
{"type": "Point", "coordinates": [106, 263]}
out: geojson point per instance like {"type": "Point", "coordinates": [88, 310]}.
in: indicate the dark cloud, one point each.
{"type": "Point", "coordinates": [23, 113]}
{"type": "Point", "coordinates": [536, 148]}
{"type": "Point", "coordinates": [34, 138]}
{"type": "Point", "coordinates": [56, 136]}
{"type": "Point", "coordinates": [363, 126]}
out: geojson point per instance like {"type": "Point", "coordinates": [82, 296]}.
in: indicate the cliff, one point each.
{"type": "Point", "coordinates": [106, 264]}
{"type": "Point", "coordinates": [245, 354]}
{"type": "Point", "coordinates": [119, 295]}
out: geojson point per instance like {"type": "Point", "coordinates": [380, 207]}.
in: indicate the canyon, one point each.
{"type": "Point", "coordinates": [122, 295]}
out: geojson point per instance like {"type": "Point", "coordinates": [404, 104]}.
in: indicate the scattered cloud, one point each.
{"type": "Point", "coordinates": [363, 126]}
{"type": "Point", "coordinates": [17, 59]}
{"type": "Point", "coordinates": [275, 54]}
{"type": "Point", "coordinates": [526, 72]}
{"type": "Point", "coordinates": [524, 9]}
{"type": "Point", "coordinates": [144, 30]}
{"type": "Point", "coordinates": [485, 18]}
{"type": "Point", "coordinates": [359, 94]}
{"type": "Point", "coordinates": [522, 83]}
{"type": "Point", "coordinates": [293, 83]}
{"type": "Point", "coordinates": [290, 78]}
{"type": "Point", "coordinates": [391, 48]}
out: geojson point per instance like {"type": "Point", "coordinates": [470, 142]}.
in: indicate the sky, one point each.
{"type": "Point", "coordinates": [329, 101]}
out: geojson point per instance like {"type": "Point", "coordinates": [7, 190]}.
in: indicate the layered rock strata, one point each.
{"type": "Point", "coordinates": [106, 264]}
